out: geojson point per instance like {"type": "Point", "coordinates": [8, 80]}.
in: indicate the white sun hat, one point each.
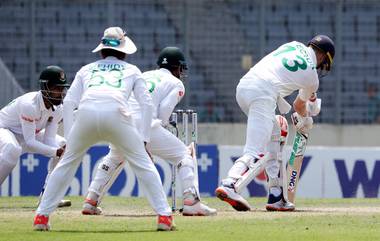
{"type": "Point", "coordinates": [115, 38]}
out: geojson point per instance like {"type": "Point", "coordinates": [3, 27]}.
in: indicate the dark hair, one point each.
{"type": "Point", "coordinates": [170, 67]}
{"type": "Point", "coordinates": [111, 52]}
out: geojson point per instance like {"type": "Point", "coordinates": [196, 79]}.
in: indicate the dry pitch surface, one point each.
{"type": "Point", "coordinates": [133, 219]}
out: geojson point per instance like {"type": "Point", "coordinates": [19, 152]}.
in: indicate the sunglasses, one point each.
{"type": "Point", "coordinates": [111, 42]}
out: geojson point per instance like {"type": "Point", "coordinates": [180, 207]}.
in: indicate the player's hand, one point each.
{"type": "Point", "coordinates": [313, 105]}
{"type": "Point", "coordinates": [302, 124]}
{"type": "Point", "coordinates": [60, 151]}
{"type": "Point", "coordinates": [173, 123]}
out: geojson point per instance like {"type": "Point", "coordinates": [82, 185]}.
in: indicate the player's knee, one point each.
{"type": "Point", "coordinates": [187, 161]}
{"type": "Point", "coordinates": [11, 153]}
{"type": "Point", "coordinates": [245, 159]}
{"type": "Point", "coordinates": [109, 164]}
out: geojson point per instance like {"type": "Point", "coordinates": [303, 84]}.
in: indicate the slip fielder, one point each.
{"type": "Point", "coordinates": [100, 91]}
{"type": "Point", "coordinates": [167, 90]}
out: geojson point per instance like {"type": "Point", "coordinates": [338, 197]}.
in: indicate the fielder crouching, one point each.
{"type": "Point", "coordinates": [29, 124]}
{"type": "Point", "coordinates": [100, 91]}
{"type": "Point", "coordinates": [167, 90]}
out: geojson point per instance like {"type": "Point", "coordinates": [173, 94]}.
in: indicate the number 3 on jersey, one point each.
{"type": "Point", "coordinates": [299, 63]}
{"type": "Point", "coordinates": [112, 78]}
{"type": "Point", "coordinates": [151, 83]}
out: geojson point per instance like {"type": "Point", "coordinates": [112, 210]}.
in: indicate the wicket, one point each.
{"type": "Point", "coordinates": [182, 132]}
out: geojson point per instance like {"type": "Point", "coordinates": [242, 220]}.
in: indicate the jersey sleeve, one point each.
{"type": "Point", "coordinates": [306, 92]}
{"type": "Point", "coordinates": [27, 117]}
{"type": "Point", "coordinates": [168, 104]}
{"type": "Point", "coordinates": [71, 101]}
{"type": "Point", "coordinates": [52, 128]}
{"type": "Point", "coordinates": [74, 94]}
{"type": "Point", "coordinates": [144, 99]}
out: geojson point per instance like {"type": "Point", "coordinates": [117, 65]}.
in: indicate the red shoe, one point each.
{"type": "Point", "coordinates": [231, 197]}
{"type": "Point", "coordinates": [165, 223]}
{"type": "Point", "coordinates": [41, 223]}
{"type": "Point", "coordinates": [90, 207]}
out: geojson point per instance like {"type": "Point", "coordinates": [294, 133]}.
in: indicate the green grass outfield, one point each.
{"type": "Point", "coordinates": [133, 219]}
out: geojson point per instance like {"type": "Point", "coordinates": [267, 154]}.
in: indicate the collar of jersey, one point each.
{"type": "Point", "coordinates": [111, 58]}
{"type": "Point", "coordinates": [41, 102]}
{"type": "Point", "coordinates": [165, 70]}
{"type": "Point", "coordinates": [313, 56]}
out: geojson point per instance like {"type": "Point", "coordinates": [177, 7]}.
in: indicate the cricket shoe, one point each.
{"type": "Point", "coordinates": [90, 207]}
{"type": "Point", "coordinates": [64, 203]}
{"type": "Point", "coordinates": [229, 195]}
{"type": "Point", "coordinates": [61, 204]}
{"type": "Point", "coordinates": [41, 223]}
{"type": "Point", "coordinates": [192, 206]}
{"type": "Point", "coordinates": [165, 223]}
{"type": "Point", "coordinates": [278, 203]}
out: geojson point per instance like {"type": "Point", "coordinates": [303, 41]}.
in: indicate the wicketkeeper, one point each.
{"type": "Point", "coordinates": [29, 124]}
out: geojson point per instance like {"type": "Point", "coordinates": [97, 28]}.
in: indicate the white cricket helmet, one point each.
{"type": "Point", "coordinates": [115, 38]}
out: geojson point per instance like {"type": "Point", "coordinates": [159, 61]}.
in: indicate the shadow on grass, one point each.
{"type": "Point", "coordinates": [104, 231]}
{"type": "Point", "coordinates": [32, 208]}
{"type": "Point", "coordinates": [130, 215]}
{"type": "Point", "coordinates": [265, 211]}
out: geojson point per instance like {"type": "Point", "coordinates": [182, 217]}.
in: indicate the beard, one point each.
{"type": "Point", "coordinates": [55, 101]}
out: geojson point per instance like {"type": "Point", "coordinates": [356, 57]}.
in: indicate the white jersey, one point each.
{"type": "Point", "coordinates": [108, 83]}
{"type": "Point", "coordinates": [166, 91]}
{"type": "Point", "coordinates": [26, 116]}
{"type": "Point", "coordinates": [290, 67]}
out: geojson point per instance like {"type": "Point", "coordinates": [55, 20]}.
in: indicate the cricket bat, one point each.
{"type": "Point", "coordinates": [295, 164]}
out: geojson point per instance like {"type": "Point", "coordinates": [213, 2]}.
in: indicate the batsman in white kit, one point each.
{"type": "Point", "coordinates": [167, 90]}
{"type": "Point", "coordinates": [293, 66]}
{"type": "Point", "coordinates": [30, 122]}
{"type": "Point", "coordinates": [100, 91]}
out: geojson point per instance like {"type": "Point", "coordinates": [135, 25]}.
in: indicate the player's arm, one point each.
{"type": "Point", "coordinates": [144, 99]}
{"type": "Point", "coordinates": [300, 118]}
{"type": "Point", "coordinates": [168, 104]}
{"type": "Point", "coordinates": [51, 128]}
{"type": "Point", "coordinates": [50, 133]}
{"type": "Point", "coordinates": [28, 125]}
{"type": "Point", "coordinates": [71, 101]}
{"type": "Point", "coordinates": [299, 106]}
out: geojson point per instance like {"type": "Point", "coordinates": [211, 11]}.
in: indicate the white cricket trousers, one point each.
{"type": "Point", "coordinates": [258, 101]}
{"type": "Point", "coordinates": [162, 144]}
{"type": "Point", "coordinates": [93, 125]}
{"type": "Point", "coordinates": [168, 147]}
{"type": "Point", "coordinates": [12, 146]}
{"type": "Point", "coordinates": [259, 104]}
